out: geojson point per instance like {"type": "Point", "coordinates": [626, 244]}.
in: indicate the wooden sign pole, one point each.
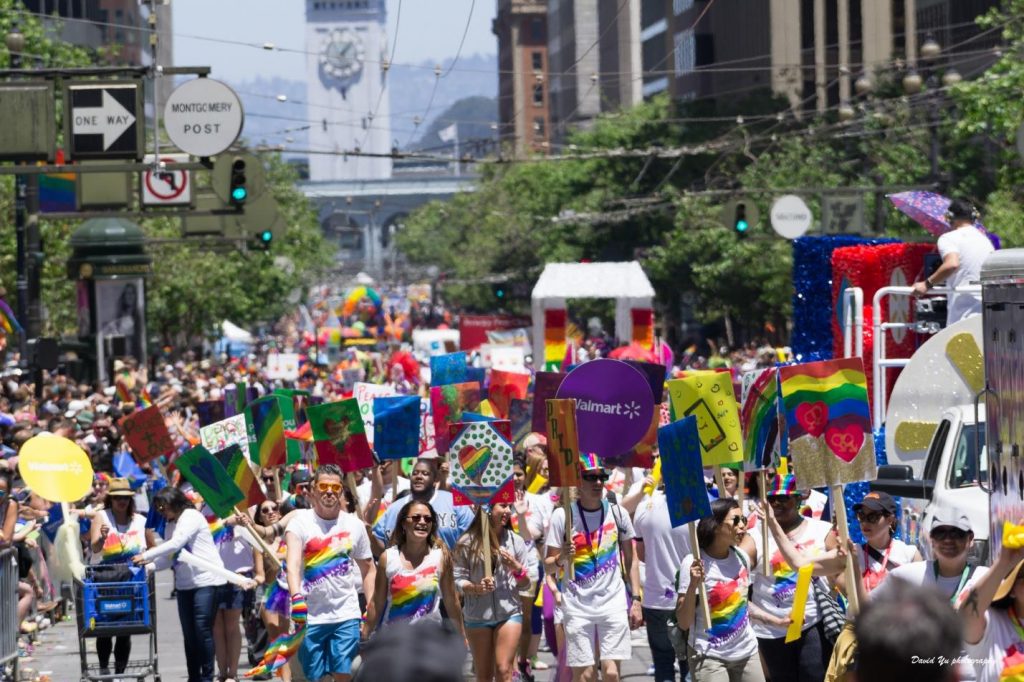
{"type": "Point", "coordinates": [567, 507]}
{"type": "Point", "coordinates": [703, 593]}
{"type": "Point", "coordinates": [763, 489]}
{"type": "Point", "coordinates": [839, 504]}
{"type": "Point", "coordinates": [485, 531]}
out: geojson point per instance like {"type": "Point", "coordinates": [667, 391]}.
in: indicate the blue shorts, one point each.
{"type": "Point", "coordinates": [329, 648]}
{"type": "Point", "coordinates": [229, 596]}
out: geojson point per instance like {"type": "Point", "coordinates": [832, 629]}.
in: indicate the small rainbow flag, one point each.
{"type": "Point", "coordinates": [759, 419]}
{"type": "Point", "coordinates": [265, 423]}
{"type": "Point", "coordinates": [643, 326]}
{"type": "Point", "coordinates": [144, 400]}
{"type": "Point", "coordinates": [554, 337]}
{"type": "Point", "coordinates": [238, 469]}
{"type": "Point", "coordinates": [8, 322]}
{"type": "Point", "coordinates": [124, 394]}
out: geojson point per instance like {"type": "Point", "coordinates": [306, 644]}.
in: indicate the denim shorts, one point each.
{"type": "Point", "coordinates": [229, 597]}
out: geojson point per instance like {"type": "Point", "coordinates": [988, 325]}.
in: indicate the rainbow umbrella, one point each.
{"type": "Point", "coordinates": [356, 296]}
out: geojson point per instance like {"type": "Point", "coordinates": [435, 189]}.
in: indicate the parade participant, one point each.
{"type": "Point", "coordinates": [323, 544]}
{"type": "Point", "coordinates": [378, 490]}
{"type": "Point", "coordinates": [493, 613]}
{"type": "Point", "coordinates": [662, 549]}
{"type": "Point", "coordinates": [992, 625]}
{"type": "Point", "coordinates": [597, 621]}
{"type": "Point", "coordinates": [238, 556]}
{"type": "Point", "coordinates": [805, 659]}
{"type": "Point", "coordinates": [274, 609]}
{"type": "Point", "coordinates": [8, 509]}
{"type": "Point", "coordinates": [415, 573]}
{"type": "Point", "coordinates": [963, 249]}
{"type": "Point", "coordinates": [731, 482]}
{"type": "Point", "coordinates": [452, 521]}
{"type": "Point", "coordinates": [299, 497]}
{"type": "Point", "coordinates": [528, 526]}
{"type": "Point", "coordinates": [118, 534]}
{"type": "Point", "coordinates": [196, 588]}
{"type": "Point", "coordinates": [910, 636]}
{"type": "Point", "coordinates": [724, 650]}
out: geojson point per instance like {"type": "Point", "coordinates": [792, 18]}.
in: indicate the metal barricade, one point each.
{"type": "Point", "coordinates": [9, 625]}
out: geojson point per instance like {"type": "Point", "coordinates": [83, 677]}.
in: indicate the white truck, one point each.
{"type": "Point", "coordinates": [937, 454]}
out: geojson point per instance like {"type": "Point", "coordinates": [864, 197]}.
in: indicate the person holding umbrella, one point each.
{"type": "Point", "coordinates": [963, 249]}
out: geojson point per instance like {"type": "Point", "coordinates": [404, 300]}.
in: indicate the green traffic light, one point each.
{"type": "Point", "coordinates": [239, 194]}
{"type": "Point", "coordinates": [266, 236]}
{"type": "Point", "coordinates": [742, 225]}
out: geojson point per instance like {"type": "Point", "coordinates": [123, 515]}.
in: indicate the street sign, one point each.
{"type": "Point", "coordinates": [203, 117]}
{"type": "Point", "coordinates": [164, 187]}
{"type": "Point", "coordinates": [105, 120]}
{"type": "Point", "coordinates": [32, 133]}
{"type": "Point", "coordinates": [842, 214]}
{"type": "Point", "coordinates": [791, 217]}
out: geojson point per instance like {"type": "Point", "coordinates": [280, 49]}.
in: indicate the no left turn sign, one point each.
{"type": "Point", "coordinates": [167, 188]}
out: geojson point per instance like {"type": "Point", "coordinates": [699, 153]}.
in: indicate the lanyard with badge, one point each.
{"type": "Point", "coordinates": [586, 530]}
{"type": "Point", "coordinates": [963, 580]}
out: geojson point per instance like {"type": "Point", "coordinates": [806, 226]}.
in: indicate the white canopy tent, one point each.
{"type": "Point", "coordinates": [624, 282]}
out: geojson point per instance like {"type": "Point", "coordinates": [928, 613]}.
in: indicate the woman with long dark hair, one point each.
{"type": "Point", "coordinates": [276, 608]}
{"type": "Point", "coordinates": [415, 574]}
{"type": "Point", "coordinates": [724, 649]}
{"type": "Point", "coordinates": [117, 534]}
{"type": "Point", "coordinates": [493, 612]}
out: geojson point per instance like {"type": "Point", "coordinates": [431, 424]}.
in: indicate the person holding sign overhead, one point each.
{"type": "Point", "coordinates": [594, 593]}
{"type": "Point", "coordinates": [724, 650]}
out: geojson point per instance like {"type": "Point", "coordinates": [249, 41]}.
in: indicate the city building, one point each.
{"type": "Point", "coordinates": [523, 92]}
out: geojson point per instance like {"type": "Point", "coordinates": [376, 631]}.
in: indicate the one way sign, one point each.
{"type": "Point", "coordinates": [104, 120]}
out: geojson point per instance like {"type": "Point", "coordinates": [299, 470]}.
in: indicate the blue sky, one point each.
{"type": "Point", "coordinates": [427, 30]}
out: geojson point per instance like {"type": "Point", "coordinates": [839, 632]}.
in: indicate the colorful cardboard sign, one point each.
{"type": "Point", "coordinates": [760, 419]}
{"type": "Point", "coordinates": [710, 398]}
{"type": "Point", "coordinates": [211, 480]}
{"type": "Point", "coordinates": [829, 422]}
{"type": "Point", "coordinates": [365, 394]}
{"type": "Point", "coordinates": [448, 369]}
{"type": "Point", "coordinates": [396, 427]}
{"type": "Point", "coordinates": [339, 435]}
{"type": "Point", "coordinates": [506, 387]}
{"type": "Point", "coordinates": [447, 403]}
{"type": "Point", "coordinates": [521, 416]}
{"type": "Point", "coordinates": [227, 432]}
{"type": "Point", "coordinates": [264, 423]}
{"type": "Point", "coordinates": [614, 406]}
{"type": "Point", "coordinates": [147, 434]}
{"type": "Point", "coordinates": [236, 463]}
{"type": "Point", "coordinates": [563, 443]}
{"type": "Point", "coordinates": [683, 472]}
{"type": "Point", "coordinates": [480, 463]}
{"type": "Point", "coordinates": [545, 387]}
{"type": "Point", "coordinates": [55, 468]}
{"type": "Point", "coordinates": [428, 442]}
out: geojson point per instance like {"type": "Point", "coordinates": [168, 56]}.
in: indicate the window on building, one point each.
{"type": "Point", "coordinates": [538, 126]}
{"type": "Point", "coordinates": [684, 47]}
{"type": "Point", "coordinates": [537, 30]}
{"type": "Point", "coordinates": [538, 95]}
{"type": "Point", "coordinates": [651, 11]}
{"type": "Point", "coordinates": [538, 61]}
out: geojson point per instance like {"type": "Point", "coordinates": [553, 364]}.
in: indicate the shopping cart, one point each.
{"type": "Point", "coordinates": [112, 601]}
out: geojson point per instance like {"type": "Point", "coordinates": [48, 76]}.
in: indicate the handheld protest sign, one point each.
{"type": "Point", "coordinates": [225, 433]}
{"type": "Point", "coordinates": [210, 411]}
{"type": "Point", "coordinates": [447, 403]}
{"type": "Point", "coordinates": [683, 473]}
{"type": "Point", "coordinates": [710, 398]}
{"type": "Point", "coordinates": [237, 466]}
{"type": "Point", "coordinates": [520, 413]}
{"type": "Point", "coordinates": [829, 422]}
{"type": "Point", "coordinates": [365, 394]}
{"type": "Point", "coordinates": [264, 424]}
{"type": "Point", "coordinates": [147, 434]}
{"type": "Point", "coordinates": [340, 436]}
{"type": "Point", "coordinates": [396, 424]}
{"type": "Point", "coordinates": [55, 468]}
{"type": "Point", "coordinates": [480, 463]}
{"type": "Point", "coordinates": [563, 444]}
{"type": "Point", "coordinates": [796, 615]}
{"type": "Point", "coordinates": [545, 387]}
{"type": "Point", "coordinates": [211, 480]}
{"type": "Point", "coordinates": [506, 387]}
{"type": "Point", "coordinates": [448, 369]}
{"type": "Point", "coordinates": [760, 419]}
{"type": "Point", "coordinates": [614, 406]}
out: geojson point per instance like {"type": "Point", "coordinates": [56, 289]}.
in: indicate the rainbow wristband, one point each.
{"type": "Point", "coordinates": [299, 609]}
{"type": "Point", "coordinates": [520, 574]}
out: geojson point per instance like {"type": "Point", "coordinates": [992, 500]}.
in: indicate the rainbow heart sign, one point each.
{"type": "Point", "coordinates": [480, 462]}
{"type": "Point", "coordinates": [829, 422]}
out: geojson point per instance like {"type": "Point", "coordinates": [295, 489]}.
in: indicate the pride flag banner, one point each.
{"type": "Point", "coordinates": [643, 326]}
{"type": "Point", "coordinates": [760, 419]}
{"type": "Point", "coordinates": [396, 425]}
{"type": "Point", "coordinates": [236, 464]}
{"type": "Point", "coordinates": [710, 398]}
{"type": "Point", "coordinates": [682, 471]}
{"type": "Point", "coordinates": [554, 339]}
{"type": "Point", "coordinates": [339, 435]}
{"type": "Point", "coordinates": [829, 422]}
{"type": "Point", "coordinates": [8, 322]}
{"type": "Point", "coordinates": [480, 463]}
{"type": "Point", "coordinates": [264, 423]}
{"type": "Point", "coordinates": [447, 403]}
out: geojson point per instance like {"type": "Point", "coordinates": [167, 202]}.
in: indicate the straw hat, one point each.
{"type": "Point", "coordinates": [119, 487]}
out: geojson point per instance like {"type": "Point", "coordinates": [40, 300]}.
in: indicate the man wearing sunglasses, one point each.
{"type": "Point", "coordinates": [597, 620]}
{"type": "Point", "coordinates": [328, 554]}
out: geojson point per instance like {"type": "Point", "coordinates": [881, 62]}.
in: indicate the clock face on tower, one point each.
{"type": "Point", "coordinates": [341, 57]}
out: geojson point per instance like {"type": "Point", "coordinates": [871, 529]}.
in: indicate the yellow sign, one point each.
{"type": "Point", "coordinates": [803, 585]}
{"type": "Point", "coordinates": [711, 398]}
{"type": "Point", "coordinates": [55, 468]}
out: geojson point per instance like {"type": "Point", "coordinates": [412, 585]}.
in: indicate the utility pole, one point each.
{"type": "Point", "coordinates": [15, 42]}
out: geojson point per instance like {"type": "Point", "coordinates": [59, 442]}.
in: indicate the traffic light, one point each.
{"type": "Point", "coordinates": [740, 215]}
{"type": "Point", "coordinates": [264, 238]}
{"type": "Point", "coordinates": [740, 223]}
{"type": "Point", "coordinates": [499, 291]}
{"type": "Point", "coordinates": [238, 190]}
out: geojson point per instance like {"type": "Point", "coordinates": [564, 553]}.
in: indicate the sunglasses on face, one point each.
{"type": "Point", "coordinates": [870, 517]}
{"type": "Point", "coordinates": [269, 510]}
{"type": "Point", "coordinates": [326, 487]}
{"type": "Point", "coordinates": [268, 479]}
{"type": "Point", "coordinates": [940, 534]}
{"type": "Point", "coordinates": [595, 478]}
{"type": "Point", "coordinates": [419, 518]}
{"type": "Point", "coordinates": [738, 521]}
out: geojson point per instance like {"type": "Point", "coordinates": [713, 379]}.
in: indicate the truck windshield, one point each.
{"type": "Point", "coordinates": [964, 472]}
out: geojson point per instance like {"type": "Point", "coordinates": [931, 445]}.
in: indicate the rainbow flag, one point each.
{"type": "Point", "coordinates": [124, 394]}
{"type": "Point", "coordinates": [643, 326]}
{"type": "Point", "coordinates": [760, 419]}
{"type": "Point", "coordinates": [554, 338]}
{"type": "Point", "coordinates": [829, 422]}
{"type": "Point", "coordinates": [144, 400]}
{"type": "Point", "coordinates": [7, 320]}
{"type": "Point", "coordinates": [265, 424]}
{"type": "Point", "coordinates": [237, 466]}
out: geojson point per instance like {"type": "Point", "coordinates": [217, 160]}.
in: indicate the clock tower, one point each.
{"type": "Point", "coordinates": [346, 46]}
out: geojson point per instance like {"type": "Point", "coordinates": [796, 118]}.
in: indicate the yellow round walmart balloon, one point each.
{"type": "Point", "coordinates": [55, 468]}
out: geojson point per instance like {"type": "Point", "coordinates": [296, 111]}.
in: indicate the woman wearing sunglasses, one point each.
{"type": "Point", "coordinates": [493, 613]}
{"type": "Point", "coordinates": [415, 573]}
{"type": "Point", "coordinates": [275, 611]}
{"type": "Point", "coordinates": [724, 649]}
